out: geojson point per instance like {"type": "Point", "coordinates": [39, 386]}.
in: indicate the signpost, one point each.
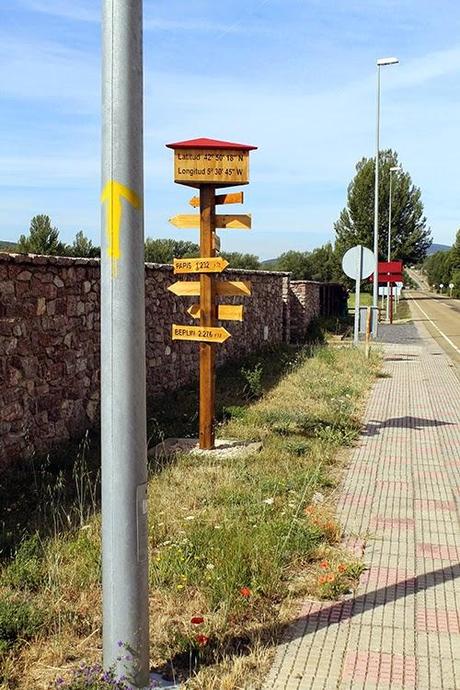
{"type": "Point", "coordinates": [358, 263]}
{"type": "Point", "coordinates": [451, 287]}
{"type": "Point", "coordinates": [441, 287]}
{"type": "Point", "coordinates": [208, 164]}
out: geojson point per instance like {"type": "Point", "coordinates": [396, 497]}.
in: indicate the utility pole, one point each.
{"type": "Point", "coordinates": [123, 398]}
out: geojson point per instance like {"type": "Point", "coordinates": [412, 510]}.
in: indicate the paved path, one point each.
{"type": "Point", "coordinates": [398, 503]}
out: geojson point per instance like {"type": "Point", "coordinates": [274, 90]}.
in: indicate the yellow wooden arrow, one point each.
{"type": "Point", "coordinates": [236, 221]}
{"type": "Point", "coordinates": [185, 288]}
{"type": "Point", "coordinates": [113, 193]}
{"type": "Point", "coordinates": [204, 334]}
{"type": "Point", "coordinates": [232, 198]}
{"type": "Point", "coordinates": [200, 265]}
{"type": "Point", "coordinates": [191, 288]}
{"type": "Point", "coordinates": [233, 287]}
{"type": "Point", "coordinates": [225, 312]}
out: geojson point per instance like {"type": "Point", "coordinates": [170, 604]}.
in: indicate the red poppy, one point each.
{"type": "Point", "coordinates": [197, 620]}
{"type": "Point", "coordinates": [202, 640]}
{"type": "Point", "coordinates": [245, 592]}
{"type": "Point", "coordinates": [324, 565]}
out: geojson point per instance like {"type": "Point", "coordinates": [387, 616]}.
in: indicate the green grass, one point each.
{"type": "Point", "coordinates": [229, 540]}
{"type": "Point", "coordinates": [365, 300]}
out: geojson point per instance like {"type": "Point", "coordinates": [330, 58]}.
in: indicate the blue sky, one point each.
{"type": "Point", "coordinates": [297, 78]}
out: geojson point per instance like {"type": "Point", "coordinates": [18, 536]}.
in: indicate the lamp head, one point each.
{"type": "Point", "coordinates": [387, 61]}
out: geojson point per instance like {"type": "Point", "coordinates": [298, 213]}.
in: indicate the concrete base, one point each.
{"type": "Point", "coordinates": [225, 448]}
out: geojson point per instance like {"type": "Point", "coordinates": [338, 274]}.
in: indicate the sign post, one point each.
{"type": "Point", "coordinates": [358, 263]}
{"type": "Point", "coordinates": [451, 287]}
{"type": "Point", "coordinates": [208, 164]}
{"type": "Point", "coordinates": [123, 400]}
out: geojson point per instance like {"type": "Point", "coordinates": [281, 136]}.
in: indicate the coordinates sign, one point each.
{"type": "Point", "coordinates": [211, 166]}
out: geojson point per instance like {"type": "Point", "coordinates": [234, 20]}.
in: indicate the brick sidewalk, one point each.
{"type": "Point", "coordinates": [398, 502]}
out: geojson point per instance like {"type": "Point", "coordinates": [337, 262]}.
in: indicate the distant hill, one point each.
{"type": "Point", "coordinates": [268, 264]}
{"type": "Point", "coordinates": [6, 246]}
{"type": "Point", "coordinates": [438, 248]}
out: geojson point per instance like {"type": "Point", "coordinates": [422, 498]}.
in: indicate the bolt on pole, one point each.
{"type": "Point", "coordinates": [123, 394]}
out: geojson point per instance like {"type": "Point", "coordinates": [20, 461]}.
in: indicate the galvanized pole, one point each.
{"type": "Point", "coordinates": [389, 248]}
{"type": "Point", "coordinates": [375, 287]}
{"type": "Point", "coordinates": [358, 296]}
{"type": "Point", "coordinates": [123, 399]}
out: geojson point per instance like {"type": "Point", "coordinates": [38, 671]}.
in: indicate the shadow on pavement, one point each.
{"type": "Point", "coordinates": [324, 615]}
{"type": "Point", "coordinates": [373, 428]}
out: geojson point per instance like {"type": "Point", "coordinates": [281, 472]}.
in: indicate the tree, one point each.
{"type": "Point", "coordinates": [237, 260]}
{"type": "Point", "coordinates": [163, 251]}
{"type": "Point", "coordinates": [297, 263]}
{"type": "Point", "coordinates": [321, 264]}
{"type": "Point", "coordinates": [410, 238]}
{"type": "Point", "coordinates": [42, 238]}
{"type": "Point", "coordinates": [83, 247]}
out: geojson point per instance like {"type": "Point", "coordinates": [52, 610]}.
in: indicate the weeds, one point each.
{"type": "Point", "coordinates": [253, 381]}
{"type": "Point", "coordinates": [227, 538]}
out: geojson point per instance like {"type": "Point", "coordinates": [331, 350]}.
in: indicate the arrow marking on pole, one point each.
{"type": "Point", "coordinates": [204, 334]}
{"type": "Point", "coordinates": [112, 193]}
{"type": "Point", "coordinates": [236, 221]}
{"type": "Point", "coordinates": [200, 265]}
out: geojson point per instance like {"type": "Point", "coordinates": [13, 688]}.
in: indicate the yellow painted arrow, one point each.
{"type": "Point", "coordinates": [231, 198]}
{"type": "Point", "coordinates": [191, 288]}
{"type": "Point", "coordinates": [112, 194]}
{"type": "Point", "coordinates": [236, 221]}
{"type": "Point", "coordinates": [200, 265]}
{"type": "Point", "coordinates": [204, 334]}
{"type": "Point", "coordinates": [225, 312]}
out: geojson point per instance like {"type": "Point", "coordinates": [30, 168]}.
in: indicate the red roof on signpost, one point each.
{"type": "Point", "coordinates": [204, 143]}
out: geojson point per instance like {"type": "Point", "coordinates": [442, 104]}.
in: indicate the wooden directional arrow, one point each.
{"type": "Point", "coordinates": [203, 334]}
{"type": "Point", "coordinates": [185, 288]}
{"type": "Point", "coordinates": [200, 265]}
{"type": "Point", "coordinates": [236, 221]}
{"type": "Point", "coordinates": [225, 312]}
{"type": "Point", "coordinates": [191, 288]}
{"type": "Point", "coordinates": [233, 287]}
{"type": "Point", "coordinates": [232, 198]}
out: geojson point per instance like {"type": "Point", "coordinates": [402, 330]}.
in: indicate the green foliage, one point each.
{"type": "Point", "coordinates": [253, 388]}
{"type": "Point", "coordinates": [83, 247]}
{"type": "Point", "coordinates": [43, 238]}
{"type": "Point", "coordinates": [444, 267]}
{"type": "Point", "coordinates": [19, 620]}
{"type": "Point", "coordinates": [26, 569]}
{"type": "Point", "coordinates": [163, 251]}
{"type": "Point", "coordinates": [410, 238]}
{"type": "Point", "coordinates": [322, 264]}
{"type": "Point", "coordinates": [237, 260]}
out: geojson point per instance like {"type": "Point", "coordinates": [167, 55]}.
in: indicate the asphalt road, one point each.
{"type": "Point", "coordinates": [441, 317]}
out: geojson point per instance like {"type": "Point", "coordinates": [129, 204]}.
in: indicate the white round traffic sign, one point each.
{"type": "Point", "coordinates": [441, 285]}
{"type": "Point", "coordinates": [353, 257]}
{"type": "Point", "coordinates": [451, 286]}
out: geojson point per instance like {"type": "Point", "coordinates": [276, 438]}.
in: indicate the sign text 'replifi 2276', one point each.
{"type": "Point", "coordinates": [211, 166]}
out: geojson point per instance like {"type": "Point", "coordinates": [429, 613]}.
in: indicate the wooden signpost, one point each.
{"type": "Point", "coordinates": [208, 164]}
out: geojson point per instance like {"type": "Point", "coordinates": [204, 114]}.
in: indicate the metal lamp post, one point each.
{"type": "Point", "coordinates": [380, 63]}
{"type": "Point", "coordinates": [396, 168]}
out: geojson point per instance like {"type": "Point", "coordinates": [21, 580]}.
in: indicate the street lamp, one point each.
{"type": "Point", "coordinates": [396, 168]}
{"type": "Point", "coordinates": [381, 62]}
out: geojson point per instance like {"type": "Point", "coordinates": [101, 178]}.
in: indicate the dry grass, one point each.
{"type": "Point", "coordinates": [233, 541]}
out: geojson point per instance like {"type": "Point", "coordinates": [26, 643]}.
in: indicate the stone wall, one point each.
{"type": "Point", "coordinates": [49, 343]}
{"type": "Point", "coordinates": [305, 305]}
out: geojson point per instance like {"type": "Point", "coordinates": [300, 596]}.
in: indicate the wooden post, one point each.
{"type": "Point", "coordinates": [368, 331]}
{"type": "Point", "coordinates": [207, 318]}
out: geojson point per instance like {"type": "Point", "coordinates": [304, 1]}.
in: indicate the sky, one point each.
{"type": "Point", "coordinates": [297, 78]}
